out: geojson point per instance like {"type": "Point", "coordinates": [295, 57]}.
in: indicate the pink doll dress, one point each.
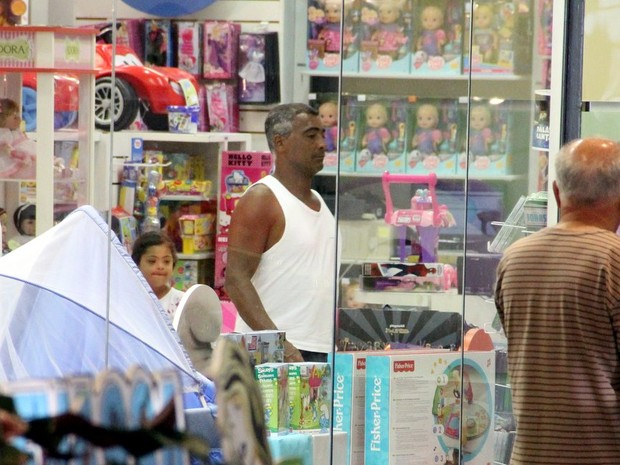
{"type": "Point", "coordinates": [17, 155]}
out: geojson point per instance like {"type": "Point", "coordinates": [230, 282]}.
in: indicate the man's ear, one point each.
{"type": "Point", "coordinates": [278, 141]}
{"type": "Point", "coordinates": [556, 194]}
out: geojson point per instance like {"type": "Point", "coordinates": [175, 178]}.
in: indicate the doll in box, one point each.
{"type": "Point", "coordinates": [253, 72]}
{"type": "Point", "coordinates": [480, 133]}
{"type": "Point", "coordinates": [389, 34]}
{"type": "Point", "coordinates": [377, 135]}
{"type": "Point", "coordinates": [433, 37]}
{"type": "Point", "coordinates": [427, 137]}
{"type": "Point", "coordinates": [17, 152]}
{"type": "Point", "coordinates": [328, 113]}
{"type": "Point", "coordinates": [484, 37]}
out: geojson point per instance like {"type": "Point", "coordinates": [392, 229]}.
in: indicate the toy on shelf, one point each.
{"type": "Point", "coordinates": [425, 214]}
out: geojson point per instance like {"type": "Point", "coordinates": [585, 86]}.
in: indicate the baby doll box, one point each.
{"type": "Point", "coordinates": [488, 152]}
{"type": "Point", "coordinates": [330, 46]}
{"type": "Point", "coordinates": [383, 137]}
{"type": "Point", "coordinates": [435, 133]}
{"type": "Point", "coordinates": [437, 47]}
{"type": "Point", "coordinates": [385, 37]}
{"type": "Point", "coordinates": [501, 38]}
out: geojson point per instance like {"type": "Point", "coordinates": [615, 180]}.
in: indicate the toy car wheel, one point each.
{"type": "Point", "coordinates": [122, 111]}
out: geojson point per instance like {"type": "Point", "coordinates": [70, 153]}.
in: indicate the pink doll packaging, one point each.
{"type": "Point", "coordinates": [435, 135]}
{"type": "Point", "coordinates": [259, 67]}
{"type": "Point", "coordinates": [386, 34]}
{"type": "Point", "coordinates": [326, 103]}
{"type": "Point", "coordinates": [189, 53]}
{"type": "Point", "coordinates": [222, 107]}
{"type": "Point", "coordinates": [381, 144]}
{"type": "Point", "coordinates": [333, 35]}
{"type": "Point", "coordinates": [221, 48]}
{"type": "Point", "coordinates": [437, 44]}
{"type": "Point", "coordinates": [487, 151]}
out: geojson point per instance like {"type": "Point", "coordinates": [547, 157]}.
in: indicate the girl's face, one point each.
{"type": "Point", "coordinates": [427, 118]}
{"type": "Point", "coordinates": [479, 119]}
{"type": "Point", "coordinates": [328, 114]}
{"type": "Point", "coordinates": [376, 117]}
{"type": "Point", "coordinates": [432, 18]}
{"type": "Point", "coordinates": [12, 121]}
{"type": "Point", "coordinates": [157, 265]}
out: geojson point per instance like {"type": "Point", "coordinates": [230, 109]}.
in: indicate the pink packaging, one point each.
{"type": "Point", "coordinates": [189, 54]}
{"type": "Point", "coordinates": [221, 45]}
{"type": "Point", "coordinates": [222, 107]}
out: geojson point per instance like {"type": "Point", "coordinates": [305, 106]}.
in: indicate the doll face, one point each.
{"type": "Point", "coordinates": [12, 121]}
{"type": "Point", "coordinates": [328, 112]}
{"type": "Point", "coordinates": [388, 13]}
{"type": "Point", "coordinates": [29, 226]}
{"type": "Point", "coordinates": [427, 117]}
{"type": "Point", "coordinates": [432, 18]}
{"type": "Point", "coordinates": [332, 11]}
{"type": "Point", "coordinates": [479, 118]}
{"type": "Point", "coordinates": [483, 16]}
{"type": "Point", "coordinates": [376, 116]}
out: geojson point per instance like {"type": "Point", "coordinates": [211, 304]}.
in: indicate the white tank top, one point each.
{"type": "Point", "coordinates": [296, 277]}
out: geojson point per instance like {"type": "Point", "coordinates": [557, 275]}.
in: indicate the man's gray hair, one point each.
{"type": "Point", "coordinates": [587, 183]}
{"type": "Point", "coordinates": [279, 121]}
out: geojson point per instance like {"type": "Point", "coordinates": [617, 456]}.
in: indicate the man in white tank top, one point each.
{"type": "Point", "coordinates": [281, 269]}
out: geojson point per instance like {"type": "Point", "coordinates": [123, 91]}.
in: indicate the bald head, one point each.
{"type": "Point", "coordinates": [588, 172]}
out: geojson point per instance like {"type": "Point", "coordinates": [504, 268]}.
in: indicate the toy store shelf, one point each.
{"type": "Point", "coordinates": [434, 77]}
{"type": "Point", "coordinates": [67, 135]}
{"type": "Point", "coordinates": [199, 137]}
{"type": "Point", "coordinates": [187, 198]}
{"type": "Point", "coordinates": [503, 177]}
{"type": "Point", "coordinates": [195, 256]}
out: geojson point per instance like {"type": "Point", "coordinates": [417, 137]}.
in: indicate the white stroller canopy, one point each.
{"type": "Point", "coordinates": [54, 301]}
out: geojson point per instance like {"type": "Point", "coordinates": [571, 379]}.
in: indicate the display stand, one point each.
{"type": "Point", "coordinates": [48, 51]}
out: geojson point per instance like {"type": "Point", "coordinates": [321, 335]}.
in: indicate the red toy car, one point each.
{"type": "Point", "coordinates": [136, 88]}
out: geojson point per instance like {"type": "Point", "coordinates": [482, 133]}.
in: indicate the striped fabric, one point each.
{"type": "Point", "coordinates": [558, 297]}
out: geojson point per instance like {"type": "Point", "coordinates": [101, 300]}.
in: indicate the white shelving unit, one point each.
{"type": "Point", "coordinates": [47, 51]}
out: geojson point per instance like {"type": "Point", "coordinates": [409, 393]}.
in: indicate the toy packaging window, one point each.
{"type": "Point", "coordinates": [221, 47]}
{"type": "Point", "coordinates": [259, 68]}
{"type": "Point", "coordinates": [158, 43]}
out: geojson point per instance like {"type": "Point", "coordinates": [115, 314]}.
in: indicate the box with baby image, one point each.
{"type": "Point", "coordinates": [434, 142]}
{"type": "Point", "coordinates": [445, 400]}
{"type": "Point", "coordinates": [273, 382]}
{"type": "Point", "coordinates": [488, 150]}
{"type": "Point", "coordinates": [437, 47]}
{"type": "Point", "coordinates": [330, 45]}
{"type": "Point", "coordinates": [382, 143]}
{"type": "Point", "coordinates": [386, 33]}
{"type": "Point", "coordinates": [310, 396]}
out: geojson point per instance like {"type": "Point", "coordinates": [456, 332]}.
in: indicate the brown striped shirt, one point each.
{"type": "Point", "coordinates": [558, 297]}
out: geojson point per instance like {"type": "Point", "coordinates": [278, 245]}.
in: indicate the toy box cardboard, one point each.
{"type": "Point", "coordinates": [488, 151]}
{"type": "Point", "coordinates": [265, 346]}
{"type": "Point", "coordinates": [239, 170]}
{"type": "Point", "coordinates": [368, 328]}
{"type": "Point", "coordinates": [434, 136]}
{"type": "Point", "coordinates": [386, 34]}
{"type": "Point", "coordinates": [310, 396]}
{"type": "Point", "coordinates": [273, 379]}
{"type": "Point", "coordinates": [330, 46]}
{"type": "Point", "coordinates": [437, 45]}
{"type": "Point", "coordinates": [349, 396]}
{"type": "Point", "coordinates": [382, 141]}
{"type": "Point", "coordinates": [414, 404]}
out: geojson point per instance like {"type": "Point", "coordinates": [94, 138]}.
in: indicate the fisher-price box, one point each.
{"type": "Point", "coordinates": [272, 379]}
{"type": "Point", "coordinates": [310, 396]}
{"type": "Point", "coordinates": [419, 404]}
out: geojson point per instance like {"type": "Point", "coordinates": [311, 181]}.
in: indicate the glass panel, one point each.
{"type": "Point", "coordinates": [451, 98]}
